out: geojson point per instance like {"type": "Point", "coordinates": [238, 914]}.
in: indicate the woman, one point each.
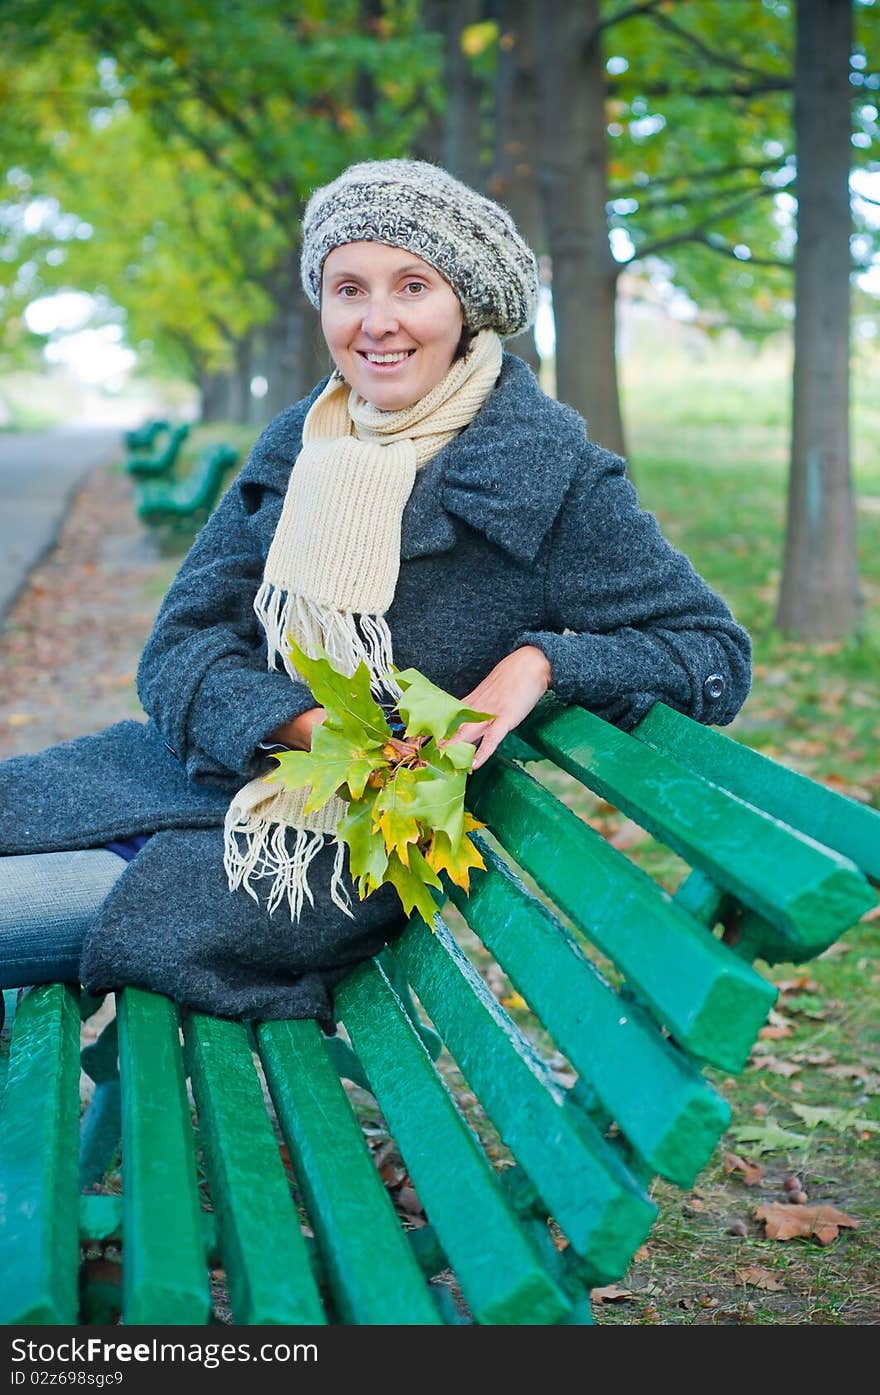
{"type": "Point", "coordinates": [426, 505]}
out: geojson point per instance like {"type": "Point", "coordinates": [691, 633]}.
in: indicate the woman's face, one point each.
{"type": "Point", "coordinates": [378, 300]}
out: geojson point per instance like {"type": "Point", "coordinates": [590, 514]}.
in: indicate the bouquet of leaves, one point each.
{"type": "Point", "coordinates": [406, 821]}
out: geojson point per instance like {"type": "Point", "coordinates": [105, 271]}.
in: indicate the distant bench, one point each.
{"type": "Point", "coordinates": [780, 868]}
{"type": "Point", "coordinates": [191, 498]}
{"type": "Point", "coordinates": [162, 462]}
{"type": "Point", "coordinates": [144, 437]}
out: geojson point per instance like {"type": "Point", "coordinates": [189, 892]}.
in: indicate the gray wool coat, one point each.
{"type": "Point", "coordinates": [520, 531]}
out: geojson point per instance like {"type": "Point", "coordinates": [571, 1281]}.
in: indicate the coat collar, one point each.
{"type": "Point", "coordinates": [505, 475]}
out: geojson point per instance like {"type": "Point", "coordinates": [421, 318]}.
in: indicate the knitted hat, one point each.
{"type": "Point", "coordinates": [469, 239]}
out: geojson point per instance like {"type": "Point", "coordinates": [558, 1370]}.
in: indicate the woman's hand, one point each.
{"type": "Point", "coordinates": [298, 732]}
{"type": "Point", "coordinates": [511, 690]}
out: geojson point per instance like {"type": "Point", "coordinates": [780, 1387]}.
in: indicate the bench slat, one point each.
{"type": "Point", "coordinates": [264, 1253]}
{"type": "Point", "coordinates": [663, 1106]}
{"type": "Point", "coordinates": [811, 893]}
{"type": "Point", "coordinates": [451, 1173]}
{"type": "Point", "coordinates": [165, 1276]}
{"type": "Point", "coordinates": [39, 1177]}
{"type": "Point", "coordinates": [713, 1003]}
{"type": "Point", "coordinates": [852, 829]}
{"type": "Point", "coordinates": [579, 1176]}
{"type": "Point", "coordinates": [350, 1210]}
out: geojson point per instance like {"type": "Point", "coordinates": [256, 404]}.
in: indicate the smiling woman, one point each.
{"type": "Point", "coordinates": [426, 506]}
{"type": "Point", "coordinates": [392, 329]}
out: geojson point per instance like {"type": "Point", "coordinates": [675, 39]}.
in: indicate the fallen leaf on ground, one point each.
{"type": "Point", "coordinates": [756, 1277]}
{"type": "Point", "coordinates": [803, 984]}
{"type": "Point", "coordinates": [775, 1066]}
{"type": "Point", "coordinates": [833, 1118]}
{"type": "Point", "coordinates": [752, 1172]}
{"type": "Point", "coordinates": [766, 1137]}
{"type": "Point", "coordinates": [777, 1027]}
{"type": "Point", "coordinates": [782, 1221]}
{"type": "Point", "coordinates": [869, 1080]}
{"type": "Point", "coordinates": [819, 1057]}
{"type": "Point", "coordinates": [611, 1294]}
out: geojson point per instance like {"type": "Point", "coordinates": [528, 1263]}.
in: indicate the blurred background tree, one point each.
{"type": "Point", "coordinates": [159, 157]}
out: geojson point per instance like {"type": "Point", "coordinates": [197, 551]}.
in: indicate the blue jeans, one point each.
{"type": "Point", "coordinates": [47, 902]}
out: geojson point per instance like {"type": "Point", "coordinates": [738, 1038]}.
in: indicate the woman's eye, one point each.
{"type": "Point", "coordinates": [344, 292]}
{"type": "Point", "coordinates": [415, 285]}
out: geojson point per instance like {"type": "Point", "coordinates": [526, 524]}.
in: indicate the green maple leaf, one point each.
{"type": "Point", "coordinates": [335, 761]}
{"type": "Point", "coordinates": [426, 708]}
{"type": "Point", "coordinates": [349, 701]}
{"type": "Point", "coordinates": [834, 1118]}
{"type": "Point", "coordinates": [766, 1137]}
{"type": "Point", "coordinates": [367, 854]}
{"type": "Point", "coordinates": [437, 800]}
{"type": "Point", "coordinates": [411, 884]}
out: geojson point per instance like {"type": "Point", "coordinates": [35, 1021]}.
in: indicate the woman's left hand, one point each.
{"type": "Point", "coordinates": [511, 690]}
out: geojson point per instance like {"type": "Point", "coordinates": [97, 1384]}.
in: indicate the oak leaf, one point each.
{"type": "Point", "coordinates": [757, 1277]}
{"type": "Point", "coordinates": [752, 1172]}
{"type": "Point", "coordinates": [782, 1221]}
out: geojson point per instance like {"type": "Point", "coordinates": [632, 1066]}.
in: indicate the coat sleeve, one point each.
{"type": "Point", "coordinates": [203, 675]}
{"type": "Point", "coordinates": [629, 621]}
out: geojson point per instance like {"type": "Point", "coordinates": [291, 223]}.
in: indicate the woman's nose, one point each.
{"type": "Point", "coordinates": [379, 317]}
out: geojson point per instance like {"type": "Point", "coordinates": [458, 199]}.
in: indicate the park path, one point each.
{"type": "Point", "coordinates": [38, 473]}
{"type": "Point", "coordinates": [72, 636]}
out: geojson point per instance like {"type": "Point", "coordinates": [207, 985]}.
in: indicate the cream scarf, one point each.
{"type": "Point", "coordinates": [329, 578]}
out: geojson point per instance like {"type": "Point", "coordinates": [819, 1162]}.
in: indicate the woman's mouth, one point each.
{"type": "Point", "coordinates": [386, 363]}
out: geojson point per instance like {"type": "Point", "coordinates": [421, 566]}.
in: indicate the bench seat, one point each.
{"type": "Point", "coordinates": [779, 868]}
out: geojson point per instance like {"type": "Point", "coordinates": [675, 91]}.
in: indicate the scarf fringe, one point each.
{"type": "Point", "coordinates": [346, 640]}
{"type": "Point", "coordinates": [254, 848]}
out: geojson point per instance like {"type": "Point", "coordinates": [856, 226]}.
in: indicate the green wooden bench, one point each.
{"type": "Point", "coordinates": [144, 437]}
{"type": "Point", "coordinates": [188, 500]}
{"type": "Point", "coordinates": [159, 465]}
{"type": "Point", "coordinates": [780, 868]}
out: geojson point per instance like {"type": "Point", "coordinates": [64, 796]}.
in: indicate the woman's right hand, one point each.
{"type": "Point", "coordinates": [297, 733]}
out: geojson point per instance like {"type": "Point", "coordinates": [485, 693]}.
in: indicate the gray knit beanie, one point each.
{"type": "Point", "coordinates": [469, 239]}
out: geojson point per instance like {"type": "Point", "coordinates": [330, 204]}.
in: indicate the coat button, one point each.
{"type": "Point", "coordinates": [713, 687]}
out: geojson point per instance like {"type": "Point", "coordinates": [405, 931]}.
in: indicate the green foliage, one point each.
{"type": "Point", "coordinates": [406, 820]}
{"type": "Point", "coordinates": [174, 147]}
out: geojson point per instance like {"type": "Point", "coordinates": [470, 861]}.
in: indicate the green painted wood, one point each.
{"type": "Point", "coordinates": [39, 1186]}
{"type": "Point", "coordinates": [165, 1278]}
{"type": "Point", "coordinates": [500, 1275]}
{"type": "Point", "coordinates": [852, 829]}
{"type": "Point", "coordinates": [810, 893]}
{"type": "Point", "coordinates": [261, 1243]}
{"type": "Point", "coordinates": [371, 1270]}
{"type": "Point", "coordinates": [713, 1003]}
{"type": "Point", "coordinates": [668, 1113]}
{"type": "Point", "coordinates": [581, 1179]}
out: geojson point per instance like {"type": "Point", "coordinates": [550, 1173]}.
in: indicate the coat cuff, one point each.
{"type": "Point", "coordinates": [236, 708]}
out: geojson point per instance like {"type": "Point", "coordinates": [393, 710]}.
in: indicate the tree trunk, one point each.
{"type": "Point", "coordinates": [293, 340]}
{"type": "Point", "coordinates": [514, 178]}
{"type": "Point", "coordinates": [819, 597]}
{"type": "Point", "coordinates": [216, 390]}
{"type": "Point", "coordinates": [462, 148]}
{"type": "Point", "coordinates": [574, 188]}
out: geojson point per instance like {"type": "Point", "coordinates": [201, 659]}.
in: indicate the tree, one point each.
{"type": "Point", "coordinates": [263, 98]}
{"type": "Point", "coordinates": [819, 597]}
